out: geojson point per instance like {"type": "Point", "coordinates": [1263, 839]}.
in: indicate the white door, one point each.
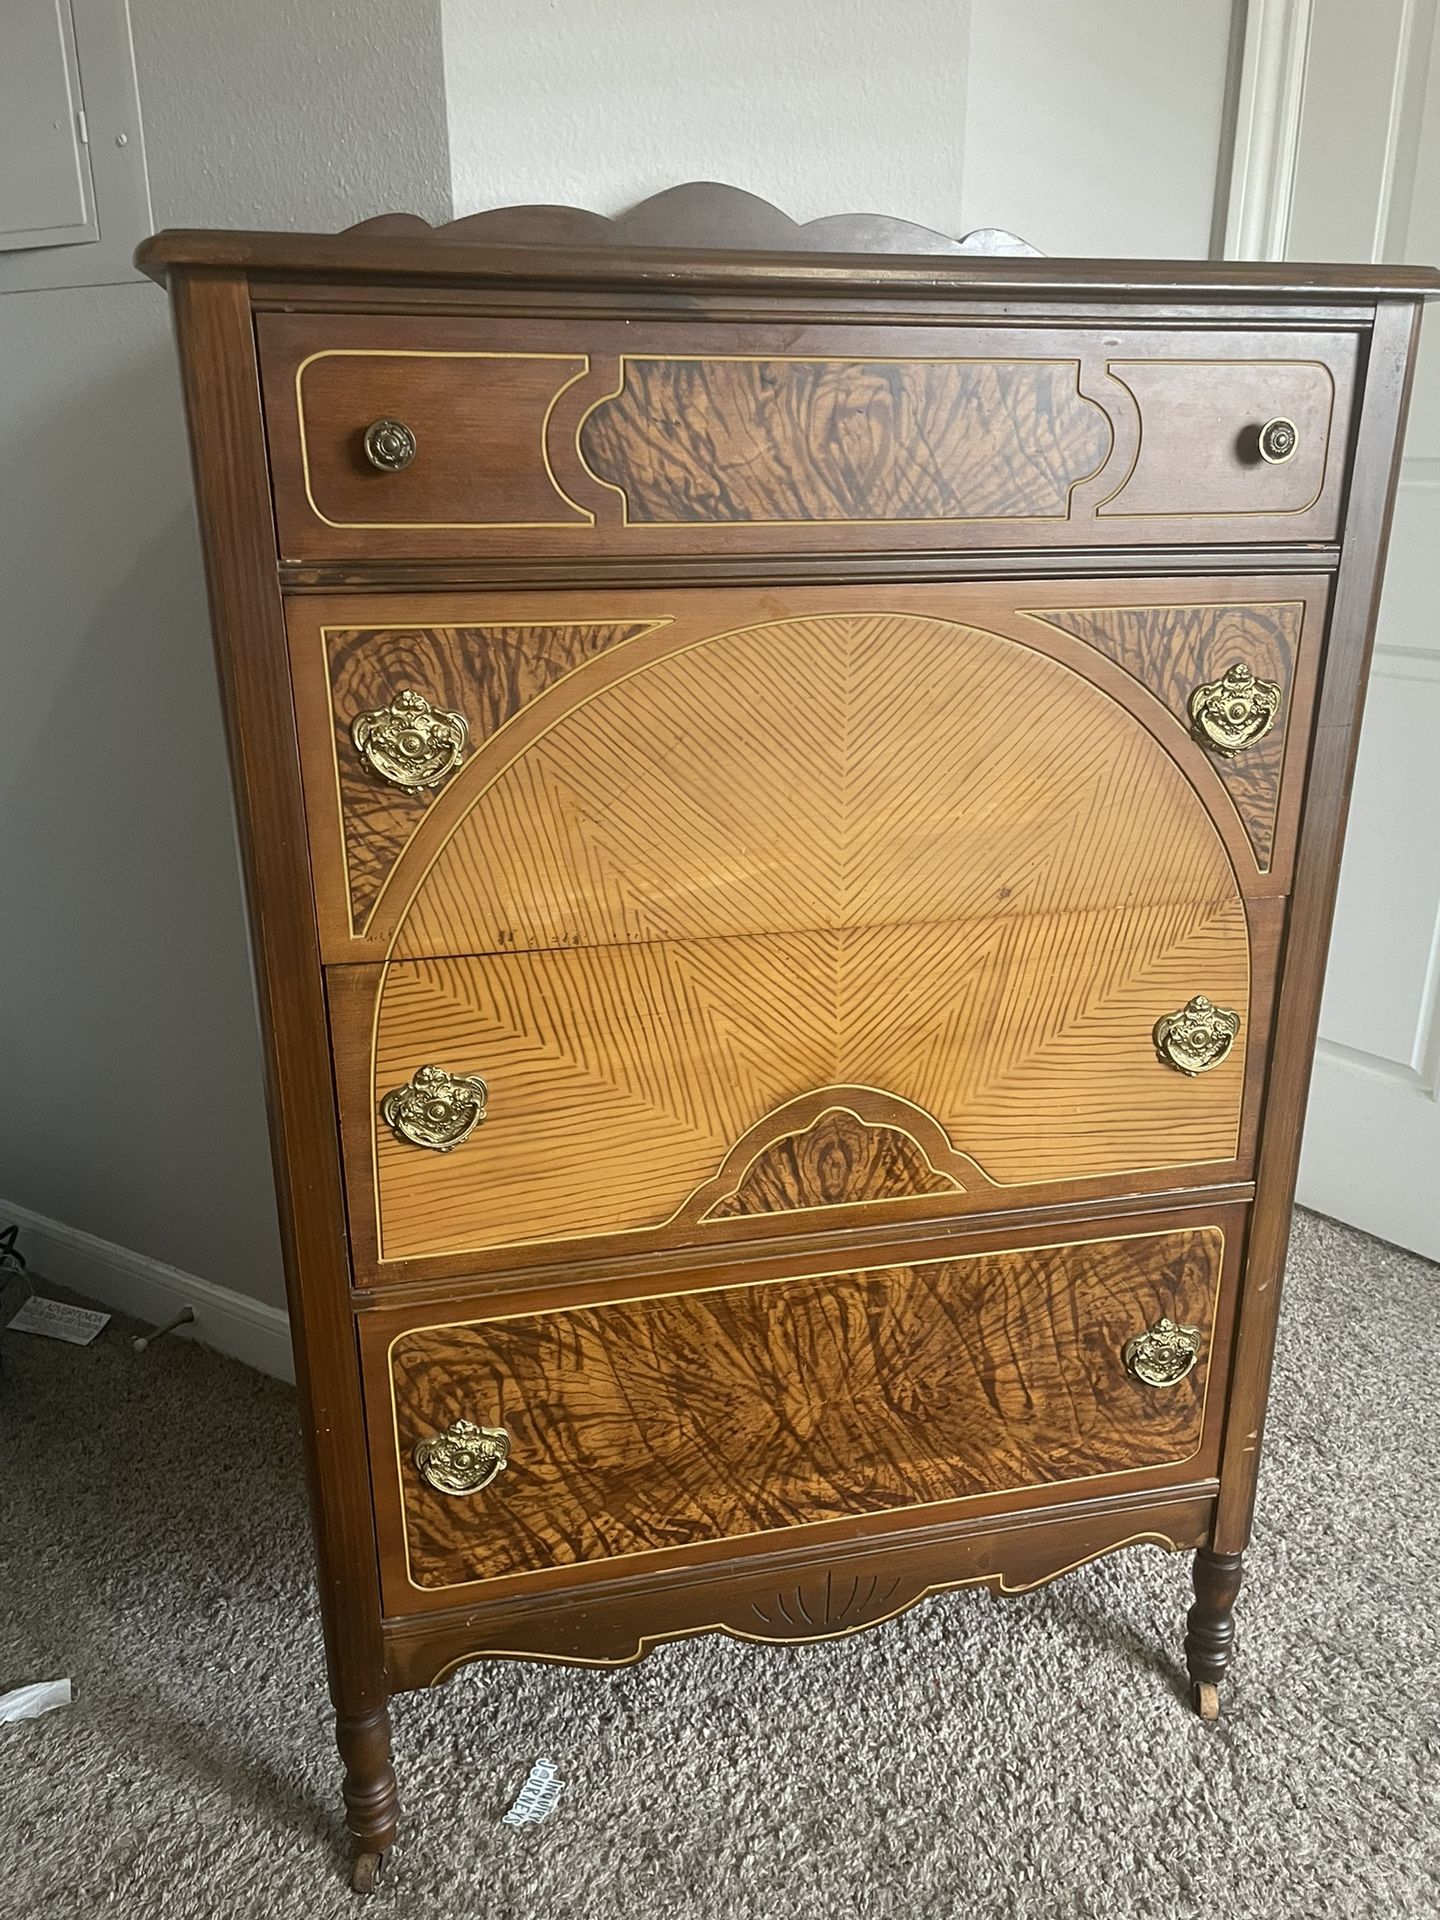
{"type": "Point", "coordinates": [1366, 186]}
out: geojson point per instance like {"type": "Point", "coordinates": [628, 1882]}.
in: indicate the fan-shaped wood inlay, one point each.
{"type": "Point", "coordinates": [716, 441]}
{"type": "Point", "coordinates": [836, 770]}
{"type": "Point", "coordinates": [621, 1077]}
{"type": "Point", "coordinates": [836, 1161]}
{"type": "Point", "coordinates": [825, 1605]}
{"type": "Point", "coordinates": [486, 673]}
{"type": "Point", "coordinates": [1173, 650]}
{"type": "Point", "coordinates": [655, 1424]}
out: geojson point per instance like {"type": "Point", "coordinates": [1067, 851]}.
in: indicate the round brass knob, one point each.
{"type": "Point", "coordinates": [1278, 441]}
{"type": "Point", "coordinates": [389, 445]}
{"type": "Point", "coordinates": [1162, 1355]}
{"type": "Point", "coordinates": [436, 1109]}
{"type": "Point", "coordinates": [464, 1458]}
{"type": "Point", "coordinates": [1196, 1038]}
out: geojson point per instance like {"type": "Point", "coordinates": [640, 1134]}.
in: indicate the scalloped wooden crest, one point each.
{"type": "Point", "coordinates": [699, 213]}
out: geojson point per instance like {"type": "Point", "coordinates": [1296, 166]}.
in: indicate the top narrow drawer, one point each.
{"type": "Point", "coordinates": [412, 438]}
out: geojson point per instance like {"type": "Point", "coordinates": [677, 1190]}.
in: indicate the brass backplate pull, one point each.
{"type": "Point", "coordinates": [410, 743]}
{"type": "Point", "coordinates": [1163, 1354]}
{"type": "Point", "coordinates": [1232, 713]}
{"type": "Point", "coordinates": [1196, 1038]}
{"type": "Point", "coordinates": [436, 1109]}
{"type": "Point", "coordinates": [465, 1458]}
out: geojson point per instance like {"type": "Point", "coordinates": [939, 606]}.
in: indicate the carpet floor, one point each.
{"type": "Point", "coordinates": [1027, 1757]}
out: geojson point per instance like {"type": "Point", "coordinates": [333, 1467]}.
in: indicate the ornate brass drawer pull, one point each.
{"type": "Point", "coordinates": [464, 1458]}
{"type": "Point", "coordinates": [436, 1109]}
{"type": "Point", "coordinates": [1196, 1038]}
{"type": "Point", "coordinates": [1234, 712]}
{"type": "Point", "coordinates": [1162, 1355]}
{"type": "Point", "coordinates": [410, 743]}
{"type": "Point", "coordinates": [389, 445]}
{"type": "Point", "coordinates": [1278, 440]}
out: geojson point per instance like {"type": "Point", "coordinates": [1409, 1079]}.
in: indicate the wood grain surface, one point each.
{"type": "Point", "coordinates": [660, 1423]}
{"type": "Point", "coordinates": [819, 1591]}
{"type": "Point", "coordinates": [836, 1161]}
{"type": "Point", "coordinates": [921, 689]}
{"type": "Point", "coordinates": [1199, 452]}
{"type": "Point", "coordinates": [486, 674]}
{"type": "Point", "coordinates": [479, 429]}
{"type": "Point", "coordinates": [1376, 475]}
{"type": "Point", "coordinates": [601, 436]}
{"type": "Point", "coordinates": [736, 1465]}
{"type": "Point", "coordinates": [620, 1077]}
{"type": "Point", "coordinates": [1174, 650]}
{"type": "Point", "coordinates": [786, 441]}
{"type": "Point", "coordinates": [222, 403]}
{"type": "Point", "coordinates": [834, 771]}
{"type": "Point", "coordinates": [682, 236]}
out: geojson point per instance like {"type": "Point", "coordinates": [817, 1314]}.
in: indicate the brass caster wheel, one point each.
{"type": "Point", "coordinates": [1205, 1698]}
{"type": "Point", "coordinates": [366, 1872]}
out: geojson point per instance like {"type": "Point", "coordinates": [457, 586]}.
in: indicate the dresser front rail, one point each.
{"type": "Point", "coordinates": [790, 1597]}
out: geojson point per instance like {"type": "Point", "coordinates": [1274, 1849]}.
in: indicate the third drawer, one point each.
{"type": "Point", "coordinates": [504, 1110]}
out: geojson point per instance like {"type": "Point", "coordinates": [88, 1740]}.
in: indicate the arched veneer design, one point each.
{"type": "Point", "coordinates": [879, 851]}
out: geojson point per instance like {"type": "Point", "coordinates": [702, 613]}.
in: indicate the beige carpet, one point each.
{"type": "Point", "coordinates": [1026, 1758]}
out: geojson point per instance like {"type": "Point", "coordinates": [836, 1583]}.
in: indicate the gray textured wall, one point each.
{"type": "Point", "coordinates": [1089, 126]}
{"type": "Point", "coordinates": [131, 1068]}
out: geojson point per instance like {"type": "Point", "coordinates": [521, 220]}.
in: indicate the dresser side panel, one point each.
{"type": "Point", "coordinates": [222, 395]}
{"type": "Point", "coordinates": [1373, 478]}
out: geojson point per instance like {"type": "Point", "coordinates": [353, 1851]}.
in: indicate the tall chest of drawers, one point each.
{"type": "Point", "coordinates": [791, 785]}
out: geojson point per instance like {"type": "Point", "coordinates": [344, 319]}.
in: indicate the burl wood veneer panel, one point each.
{"type": "Point", "coordinates": [837, 1160]}
{"type": "Point", "coordinates": [1015, 1051]}
{"type": "Point", "coordinates": [655, 1424]}
{"type": "Point", "coordinates": [488, 674]}
{"type": "Point", "coordinates": [794, 442]}
{"type": "Point", "coordinates": [596, 436]}
{"type": "Point", "coordinates": [836, 771]}
{"type": "Point", "coordinates": [1174, 650]}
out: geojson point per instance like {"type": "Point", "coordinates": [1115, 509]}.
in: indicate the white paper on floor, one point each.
{"type": "Point", "coordinates": [58, 1320]}
{"type": "Point", "coordinates": [28, 1703]}
{"type": "Point", "coordinates": [538, 1798]}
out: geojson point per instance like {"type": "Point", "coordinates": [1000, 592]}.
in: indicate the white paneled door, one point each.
{"type": "Point", "coordinates": [1367, 186]}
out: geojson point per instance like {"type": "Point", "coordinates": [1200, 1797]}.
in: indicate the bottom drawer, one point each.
{"type": "Point", "coordinates": [694, 1423]}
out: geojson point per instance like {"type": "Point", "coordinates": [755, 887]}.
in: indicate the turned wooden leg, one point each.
{"type": "Point", "coordinates": [372, 1801]}
{"type": "Point", "coordinates": [1210, 1628]}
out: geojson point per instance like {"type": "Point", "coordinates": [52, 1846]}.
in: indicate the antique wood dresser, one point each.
{"type": "Point", "coordinates": [791, 782]}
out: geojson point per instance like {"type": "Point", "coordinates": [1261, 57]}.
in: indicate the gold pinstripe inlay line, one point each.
{"type": "Point", "coordinates": [648, 1641]}
{"type": "Point", "coordinates": [627, 360]}
{"type": "Point", "coordinates": [655, 622]}
{"type": "Point", "coordinates": [1209, 513]}
{"type": "Point", "coordinates": [587, 518]}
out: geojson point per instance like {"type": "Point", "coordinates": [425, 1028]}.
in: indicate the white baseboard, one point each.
{"type": "Point", "coordinates": [148, 1290]}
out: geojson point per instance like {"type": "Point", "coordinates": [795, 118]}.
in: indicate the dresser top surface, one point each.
{"type": "Point", "coordinates": [710, 237]}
